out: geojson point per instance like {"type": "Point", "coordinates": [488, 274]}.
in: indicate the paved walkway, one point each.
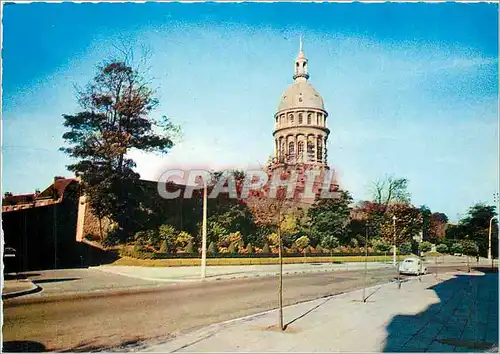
{"type": "Point", "coordinates": [456, 312]}
{"type": "Point", "coordinates": [179, 274]}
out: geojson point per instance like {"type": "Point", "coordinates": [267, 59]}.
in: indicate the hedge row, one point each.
{"type": "Point", "coordinates": [263, 255]}
{"type": "Point", "coordinates": [179, 262]}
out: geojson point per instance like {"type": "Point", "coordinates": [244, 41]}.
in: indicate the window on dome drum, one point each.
{"type": "Point", "coordinates": [319, 153]}
{"type": "Point", "coordinates": [291, 151]}
{"type": "Point", "coordinates": [318, 119]}
{"type": "Point", "coordinates": [300, 118]}
{"type": "Point", "coordinates": [309, 117]}
{"type": "Point", "coordinates": [300, 149]}
{"type": "Point", "coordinates": [290, 118]}
{"type": "Point", "coordinates": [310, 151]}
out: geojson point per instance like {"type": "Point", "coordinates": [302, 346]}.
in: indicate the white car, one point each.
{"type": "Point", "coordinates": [412, 265]}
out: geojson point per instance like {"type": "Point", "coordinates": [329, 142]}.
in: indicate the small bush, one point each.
{"type": "Point", "coordinates": [442, 248]}
{"type": "Point", "coordinates": [457, 248]}
{"type": "Point", "coordinates": [212, 249]}
{"type": "Point", "coordinates": [250, 249]}
{"type": "Point", "coordinates": [189, 248]}
{"type": "Point", "coordinates": [266, 249]}
{"type": "Point", "coordinates": [163, 247]}
{"type": "Point", "coordinates": [232, 249]}
{"type": "Point", "coordinates": [425, 246]}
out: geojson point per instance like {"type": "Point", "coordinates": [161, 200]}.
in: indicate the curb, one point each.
{"type": "Point", "coordinates": [32, 290]}
{"type": "Point", "coordinates": [223, 277]}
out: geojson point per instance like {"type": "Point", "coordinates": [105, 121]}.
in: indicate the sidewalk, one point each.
{"type": "Point", "coordinates": [190, 274]}
{"type": "Point", "coordinates": [456, 312]}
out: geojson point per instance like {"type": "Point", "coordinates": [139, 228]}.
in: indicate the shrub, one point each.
{"type": "Point", "coordinates": [319, 249]}
{"type": "Point", "coordinates": [163, 247]}
{"type": "Point", "coordinates": [405, 248]}
{"type": "Point", "coordinates": [212, 249]}
{"type": "Point", "coordinates": [425, 246]}
{"type": "Point", "coordinates": [330, 242]}
{"type": "Point", "coordinates": [266, 249]}
{"type": "Point", "coordinates": [272, 239]}
{"type": "Point", "coordinates": [189, 247]}
{"type": "Point", "coordinates": [457, 248]}
{"type": "Point", "coordinates": [139, 245]}
{"type": "Point", "coordinates": [381, 245]}
{"type": "Point", "coordinates": [232, 249]}
{"type": "Point", "coordinates": [250, 249]}
{"type": "Point", "coordinates": [470, 247]}
{"type": "Point", "coordinates": [182, 240]}
{"type": "Point", "coordinates": [442, 248]}
{"type": "Point", "coordinates": [302, 242]}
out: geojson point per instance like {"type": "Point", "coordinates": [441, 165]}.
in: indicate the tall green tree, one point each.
{"type": "Point", "coordinates": [115, 118]}
{"type": "Point", "coordinates": [330, 217]}
{"type": "Point", "coordinates": [476, 224]}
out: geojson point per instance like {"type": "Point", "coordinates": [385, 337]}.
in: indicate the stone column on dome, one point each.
{"type": "Point", "coordinates": [326, 151]}
{"type": "Point", "coordinates": [296, 148]}
{"type": "Point", "coordinates": [315, 148]}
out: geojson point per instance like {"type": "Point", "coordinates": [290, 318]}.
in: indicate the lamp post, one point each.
{"type": "Point", "coordinates": [489, 237]}
{"type": "Point", "coordinates": [204, 234]}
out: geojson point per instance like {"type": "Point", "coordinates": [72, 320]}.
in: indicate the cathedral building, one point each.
{"type": "Point", "coordinates": [300, 131]}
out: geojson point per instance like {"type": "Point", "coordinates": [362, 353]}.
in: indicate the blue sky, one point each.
{"type": "Point", "coordinates": [411, 89]}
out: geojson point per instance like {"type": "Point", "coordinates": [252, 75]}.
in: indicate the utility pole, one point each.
{"type": "Point", "coordinates": [489, 238]}
{"type": "Point", "coordinates": [394, 245]}
{"type": "Point", "coordinates": [280, 287]}
{"type": "Point", "coordinates": [366, 264]}
{"type": "Point", "coordinates": [204, 234]}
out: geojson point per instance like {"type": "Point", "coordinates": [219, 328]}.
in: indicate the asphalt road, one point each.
{"type": "Point", "coordinates": [129, 319]}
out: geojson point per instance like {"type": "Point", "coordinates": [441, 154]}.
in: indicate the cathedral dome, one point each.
{"type": "Point", "coordinates": [301, 94]}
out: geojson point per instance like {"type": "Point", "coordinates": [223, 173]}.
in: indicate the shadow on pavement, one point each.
{"type": "Point", "coordinates": [55, 280]}
{"type": "Point", "coordinates": [19, 276]}
{"type": "Point", "coordinates": [22, 347]}
{"type": "Point", "coordinates": [465, 319]}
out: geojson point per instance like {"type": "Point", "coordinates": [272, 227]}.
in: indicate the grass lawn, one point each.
{"type": "Point", "coordinates": [128, 261]}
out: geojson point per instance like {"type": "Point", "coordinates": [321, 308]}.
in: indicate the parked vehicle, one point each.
{"type": "Point", "coordinates": [413, 266]}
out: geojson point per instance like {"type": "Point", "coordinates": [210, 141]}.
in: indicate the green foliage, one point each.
{"type": "Point", "coordinates": [190, 248]}
{"type": "Point", "coordinates": [442, 248]}
{"type": "Point", "coordinates": [330, 217]}
{"type": "Point", "coordinates": [476, 225]}
{"type": "Point", "coordinates": [405, 248]}
{"type": "Point", "coordinates": [183, 239]}
{"type": "Point", "coordinates": [168, 234]}
{"type": "Point", "coordinates": [232, 248]}
{"type": "Point", "coordinates": [330, 242]}
{"type": "Point", "coordinates": [163, 247]}
{"type": "Point", "coordinates": [457, 248]}
{"type": "Point", "coordinates": [381, 245]}
{"type": "Point", "coordinates": [216, 232]}
{"type": "Point", "coordinates": [425, 246]}
{"type": "Point", "coordinates": [302, 242]}
{"type": "Point", "coordinates": [470, 247]}
{"type": "Point", "coordinates": [212, 249]}
{"type": "Point", "coordinates": [273, 239]}
{"type": "Point", "coordinates": [266, 249]}
{"type": "Point", "coordinates": [319, 248]}
{"type": "Point", "coordinates": [115, 118]}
